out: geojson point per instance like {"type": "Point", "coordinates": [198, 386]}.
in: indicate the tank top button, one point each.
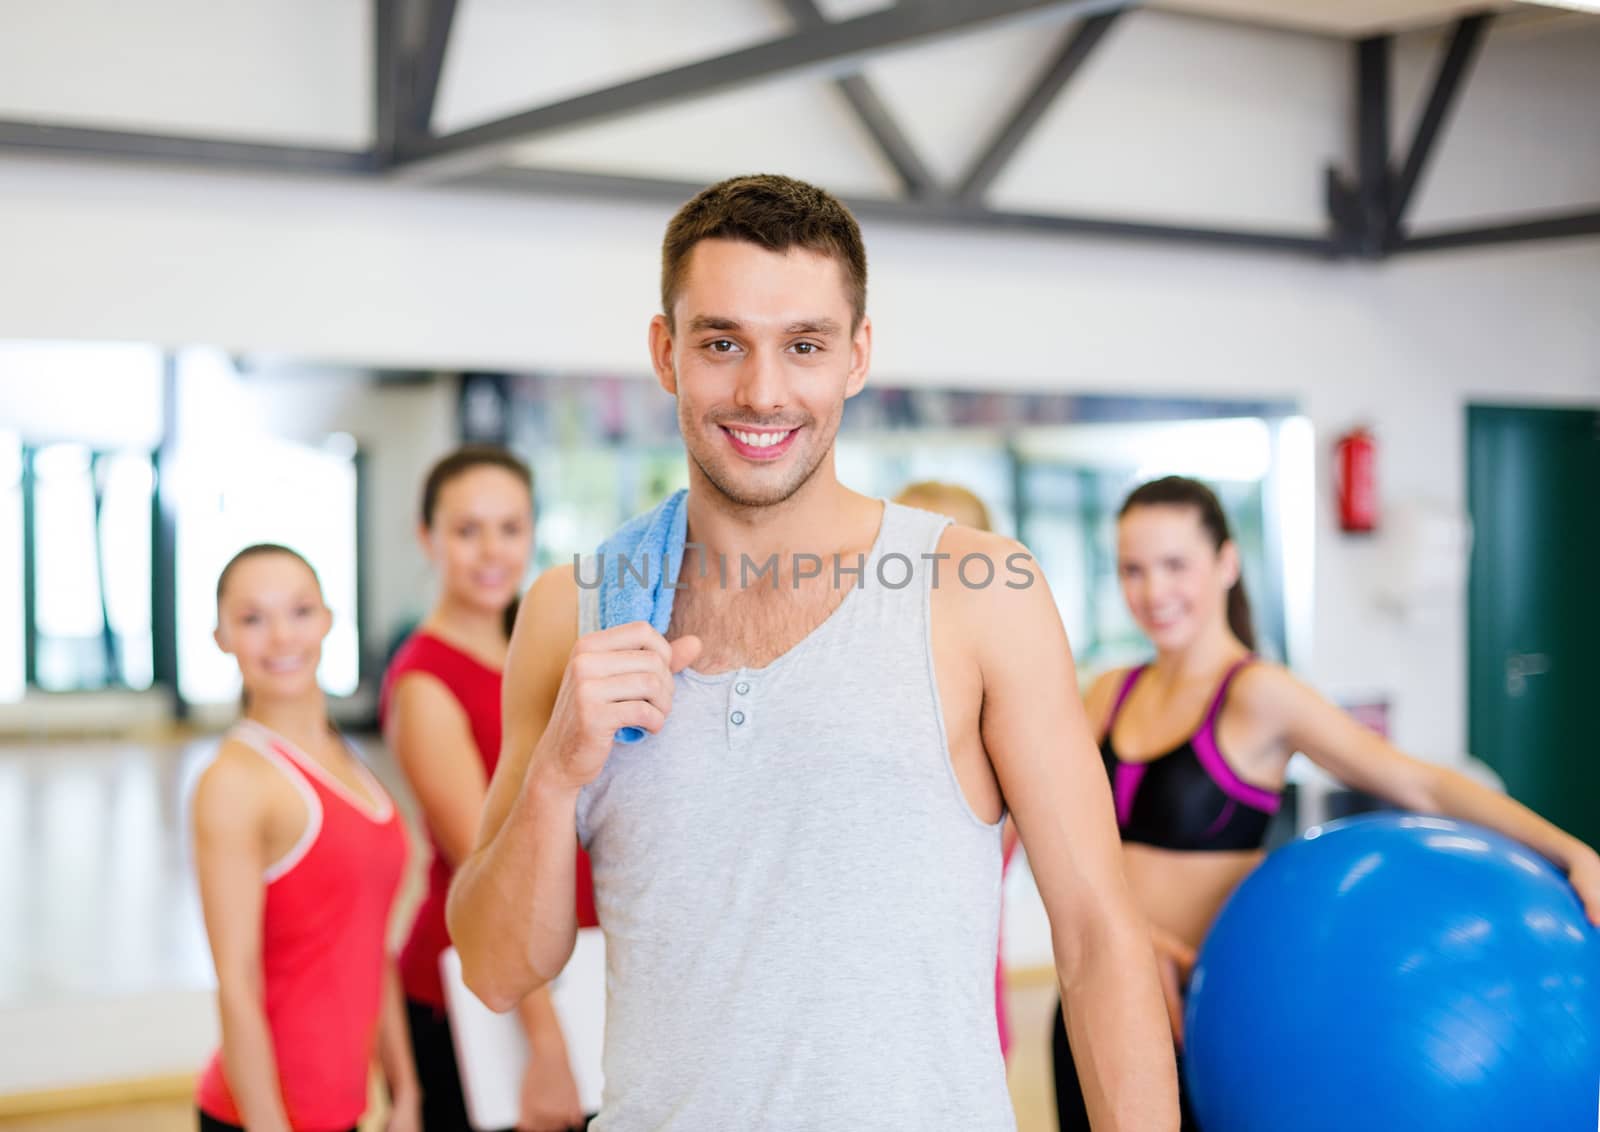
{"type": "Point", "coordinates": [741, 687]}
{"type": "Point", "coordinates": [736, 718]}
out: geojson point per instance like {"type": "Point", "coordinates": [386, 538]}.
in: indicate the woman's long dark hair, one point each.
{"type": "Point", "coordinates": [464, 460]}
{"type": "Point", "coordinates": [1180, 491]}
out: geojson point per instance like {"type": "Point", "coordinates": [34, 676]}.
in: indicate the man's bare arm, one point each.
{"type": "Point", "coordinates": [1038, 741]}
{"type": "Point", "coordinates": [511, 912]}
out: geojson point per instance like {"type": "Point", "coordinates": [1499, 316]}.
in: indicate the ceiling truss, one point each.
{"type": "Point", "coordinates": [1367, 202]}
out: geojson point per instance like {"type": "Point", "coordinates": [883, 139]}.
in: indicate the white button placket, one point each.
{"type": "Point", "coordinates": [740, 709]}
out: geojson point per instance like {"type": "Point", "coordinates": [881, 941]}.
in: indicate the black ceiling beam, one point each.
{"type": "Point", "coordinates": [1465, 44]}
{"type": "Point", "coordinates": [891, 140]}
{"type": "Point", "coordinates": [874, 116]}
{"type": "Point", "coordinates": [1078, 44]}
{"type": "Point", "coordinates": [1564, 227]}
{"type": "Point", "coordinates": [428, 67]}
{"type": "Point", "coordinates": [1374, 178]}
{"type": "Point", "coordinates": [943, 212]}
{"type": "Point", "coordinates": [388, 87]}
{"type": "Point", "coordinates": [841, 46]}
{"type": "Point", "coordinates": [78, 141]}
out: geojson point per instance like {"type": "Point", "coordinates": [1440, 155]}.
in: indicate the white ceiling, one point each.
{"type": "Point", "coordinates": [1210, 112]}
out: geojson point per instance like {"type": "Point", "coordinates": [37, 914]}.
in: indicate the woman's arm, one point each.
{"type": "Point", "coordinates": [432, 739]}
{"type": "Point", "coordinates": [1363, 759]}
{"type": "Point", "coordinates": [550, 1100]}
{"type": "Point", "coordinates": [229, 816]}
{"type": "Point", "coordinates": [394, 1053]}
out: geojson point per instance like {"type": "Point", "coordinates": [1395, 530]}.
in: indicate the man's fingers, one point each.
{"type": "Point", "coordinates": [632, 635]}
{"type": "Point", "coordinates": [605, 665]}
{"type": "Point", "coordinates": [654, 688]}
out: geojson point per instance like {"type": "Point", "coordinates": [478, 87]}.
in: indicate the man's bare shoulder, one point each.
{"type": "Point", "coordinates": [985, 572]}
{"type": "Point", "coordinates": [992, 592]}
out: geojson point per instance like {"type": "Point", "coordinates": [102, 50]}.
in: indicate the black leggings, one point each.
{"type": "Point", "coordinates": [1071, 1108]}
{"type": "Point", "coordinates": [444, 1108]}
{"type": "Point", "coordinates": [209, 1123]}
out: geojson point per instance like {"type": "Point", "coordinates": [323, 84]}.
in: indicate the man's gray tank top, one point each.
{"type": "Point", "coordinates": [801, 910]}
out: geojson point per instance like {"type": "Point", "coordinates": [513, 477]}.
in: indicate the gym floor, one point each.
{"type": "Point", "coordinates": [107, 934]}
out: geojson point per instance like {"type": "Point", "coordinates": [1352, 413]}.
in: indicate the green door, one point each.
{"type": "Point", "coordinates": [1533, 489]}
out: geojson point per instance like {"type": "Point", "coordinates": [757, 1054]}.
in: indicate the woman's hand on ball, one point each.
{"type": "Point", "coordinates": [1175, 959]}
{"type": "Point", "coordinates": [1584, 873]}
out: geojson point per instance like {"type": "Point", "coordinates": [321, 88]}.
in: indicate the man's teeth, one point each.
{"type": "Point", "coordinates": [759, 439]}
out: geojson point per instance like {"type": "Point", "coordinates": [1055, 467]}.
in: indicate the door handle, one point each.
{"type": "Point", "coordinates": [1520, 666]}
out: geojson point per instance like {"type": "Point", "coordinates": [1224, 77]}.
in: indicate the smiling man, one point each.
{"type": "Point", "coordinates": [798, 869]}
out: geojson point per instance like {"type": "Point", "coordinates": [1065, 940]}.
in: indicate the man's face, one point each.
{"type": "Point", "coordinates": [761, 358]}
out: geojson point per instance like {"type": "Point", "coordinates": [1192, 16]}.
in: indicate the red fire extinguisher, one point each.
{"type": "Point", "coordinates": [1356, 477]}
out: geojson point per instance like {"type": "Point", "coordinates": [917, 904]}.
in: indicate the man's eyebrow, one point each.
{"type": "Point", "coordinates": [818, 326]}
{"type": "Point", "coordinates": [712, 322]}
{"type": "Point", "coordinates": [822, 326]}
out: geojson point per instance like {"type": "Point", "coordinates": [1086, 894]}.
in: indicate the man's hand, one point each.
{"type": "Point", "coordinates": [619, 677]}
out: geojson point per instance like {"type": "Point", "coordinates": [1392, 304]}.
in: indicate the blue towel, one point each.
{"type": "Point", "coordinates": [651, 545]}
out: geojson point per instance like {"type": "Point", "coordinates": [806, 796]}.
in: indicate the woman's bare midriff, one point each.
{"type": "Point", "coordinates": [1182, 891]}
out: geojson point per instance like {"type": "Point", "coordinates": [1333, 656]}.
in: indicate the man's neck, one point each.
{"type": "Point", "coordinates": [823, 517]}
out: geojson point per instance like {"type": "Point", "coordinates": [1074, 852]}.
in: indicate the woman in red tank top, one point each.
{"type": "Point", "coordinates": [299, 853]}
{"type": "Point", "coordinates": [440, 708]}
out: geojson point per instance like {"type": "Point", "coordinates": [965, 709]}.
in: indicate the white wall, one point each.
{"type": "Point", "coordinates": [285, 71]}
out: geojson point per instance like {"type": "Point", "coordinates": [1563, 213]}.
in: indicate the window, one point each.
{"type": "Point", "coordinates": [91, 568]}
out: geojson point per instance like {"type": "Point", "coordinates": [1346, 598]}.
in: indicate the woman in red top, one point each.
{"type": "Point", "coordinates": [441, 715]}
{"type": "Point", "coordinates": [299, 853]}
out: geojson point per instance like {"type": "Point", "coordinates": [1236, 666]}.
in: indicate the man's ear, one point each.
{"type": "Point", "coordinates": [860, 357]}
{"type": "Point", "coordinates": [661, 354]}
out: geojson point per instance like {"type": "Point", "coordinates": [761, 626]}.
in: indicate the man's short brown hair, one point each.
{"type": "Point", "coordinates": [772, 212]}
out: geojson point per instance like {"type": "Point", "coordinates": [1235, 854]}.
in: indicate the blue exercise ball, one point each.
{"type": "Point", "coordinates": [1397, 972]}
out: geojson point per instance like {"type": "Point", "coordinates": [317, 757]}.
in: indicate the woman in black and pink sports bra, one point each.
{"type": "Point", "coordinates": [1187, 798]}
{"type": "Point", "coordinates": [1195, 746]}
